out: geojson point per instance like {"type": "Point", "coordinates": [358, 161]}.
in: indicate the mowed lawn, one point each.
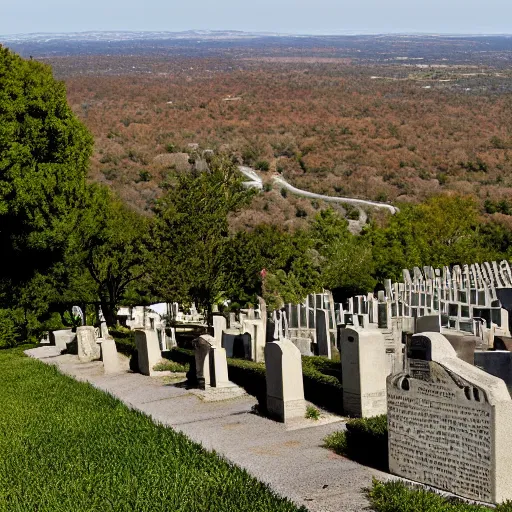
{"type": "Point", "coordinates": [65, 446]}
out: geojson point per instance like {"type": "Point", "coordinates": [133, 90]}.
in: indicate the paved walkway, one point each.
{"type": "Point", "coordinates": [290, 459]}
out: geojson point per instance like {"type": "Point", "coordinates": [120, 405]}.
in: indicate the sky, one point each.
{"type": "Point", "coordinates": [283, 16]}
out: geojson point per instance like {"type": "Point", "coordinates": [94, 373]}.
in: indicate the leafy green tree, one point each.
{"type": "Point", "coordinates": [44, 155]}
{"type": "Point", "coordinates": [108, 251]}
{"type": "Point", "coordinates": [191, 233]}
{"type": "Point", "coordinates": [445, 230]}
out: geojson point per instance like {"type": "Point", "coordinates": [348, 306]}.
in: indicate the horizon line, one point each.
{"type": "Point", "coordinates": [318, 33]}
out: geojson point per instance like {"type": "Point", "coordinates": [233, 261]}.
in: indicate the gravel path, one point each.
{"type": "Point", "coordinates": [290, 459]}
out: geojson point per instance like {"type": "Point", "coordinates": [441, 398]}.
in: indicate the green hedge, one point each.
{"type": "Point", "coordinates": [365, 440]}
{"type": "Point", "coordinates": [321, 386]}
{"type": "Point", "coordinates": [395, 496]}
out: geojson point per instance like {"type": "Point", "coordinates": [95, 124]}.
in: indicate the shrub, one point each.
{"type": "Point", "coordinates": [365, 440]}
{"type": "Point", "coordinates": [262, 165]}
{"type": "Point", "coordinates": [144, 176]}
{"type": "Point", "coordinates": [312, 413]}
{"type": "Point", "coordinates": [284, 192]}
{"type": "Point", "coordinates": [9, 330]}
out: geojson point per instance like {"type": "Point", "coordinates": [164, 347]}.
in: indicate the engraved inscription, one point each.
{"type": "Point", "coordinates": [438, 438]}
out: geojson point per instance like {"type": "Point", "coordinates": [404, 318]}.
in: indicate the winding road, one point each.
{"type": "Point", "coordinates": [255, 181]}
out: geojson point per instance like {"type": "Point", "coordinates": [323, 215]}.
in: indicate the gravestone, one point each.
{"type": "Point", "coordinates": [61, 338]}
{"type": "Point", "coordinates": [497, 363]}
{"type": "Point", "coordinates": [219, 326]}
{"type": "Point", "coordinates": [285, 389]}
{"type": "Point", "coordinates": [148, 350]}
{"type": "Point", "coordinates": [323, 342]}
{"type": "Point", "coordinates": [430, 323]}
{"type": "Point", "coordinates": [464, 346]}
{"type": "Point", "coordinates": [88, 349]}
{"type": "Point", "coordinates": [449, 423]}
{"type": "Point", "coordinates": [363, 369]}
{"type": "Point", "coordinates": [109, 356]}
{"type": "Point", "coordinates": [202, 346]}
{"type": "Point", "coordinates": [255, 329]}
{"type": "Point", "coordinates": [218, 368]}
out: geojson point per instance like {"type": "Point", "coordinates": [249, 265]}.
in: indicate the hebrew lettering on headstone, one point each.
{"type": "Point", "coordinates": [449, 423]}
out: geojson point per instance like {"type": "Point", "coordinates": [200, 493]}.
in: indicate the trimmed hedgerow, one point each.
{"type": "Point", "coordinates": [322, 378]}
{"type": "Point", "coordinates": [395, 496]}
{"type": "Point", "coordinates": [365, 440]}
{"type": "Point", "coordinates": [67, 446]}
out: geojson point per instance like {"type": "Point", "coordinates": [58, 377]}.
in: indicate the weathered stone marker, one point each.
{"type": "Point", "coordinates": [323, 341]}
{"type": "Point", "coordinates": [364, 372]}
{"type": "Point", "coordinates": [109, 356]}
{"type": "Point", "coordinates": [202, 346]}
{"type": "Point", "coordinates": [285, 389]}
{"type": "Point", "coordinates": [219, 326]}
{"type": "Point", "coordinates": [449, 423]}
{"type": "Point", "coordinates": [148, 350]}
{"type": "Point", "coordinates": [61, 338]}
{"type": "Point", "coordinates": [88, 349]}
{"type": "Point", "coordinates": [218, 368]}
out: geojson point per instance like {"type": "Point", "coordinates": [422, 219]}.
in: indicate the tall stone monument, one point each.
{"type": "Point", "coordinates": [364, 372]}
{"type": "Point", "coordinates": [449, 423]}
{"type": "Point", "coordinates": [148, 350]}
{"type": "Point", "coordinates": [219, 326]}
{"type": "Point", "coordinates": [285, 389]}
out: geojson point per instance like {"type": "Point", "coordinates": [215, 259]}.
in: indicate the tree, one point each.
{"type": "Point", "coordinates": [44, 154]}
{"type": "Point", "coordinates": [191, 233]}
{"type": "Point", "coordinates": [110, 245]}
{"type": "Point", "coordinates": [445, 230]}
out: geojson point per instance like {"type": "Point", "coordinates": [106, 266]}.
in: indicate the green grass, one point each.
{"type": "Point", "coordinates": [394, 496]}
{"type": "Point", "coordinates": [171, 366]}
{"type": "Point", "coordinates": [65, 447]}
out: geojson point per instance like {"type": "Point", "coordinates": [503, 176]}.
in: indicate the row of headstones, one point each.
{"type": "Point", "coordinates": [285, 390]}
{"type": "Point", "coordinates": [488, 275]}
{"type": "Point", "coordinates": [91, 344]}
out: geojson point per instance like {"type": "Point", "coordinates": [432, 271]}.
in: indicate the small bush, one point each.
{"type": "Point", "coordinates": [284, 192]}
{"type": "Point", "coordinates": [365, 440]}
{"type": "Point", "coordinates": [144, 176]}
{"type": "Point", "coordinates": [262, 165]}
{"type": "Point", "coordinates": [9, 329]}
{"type": "Point", "coordinates": [312, 413]}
